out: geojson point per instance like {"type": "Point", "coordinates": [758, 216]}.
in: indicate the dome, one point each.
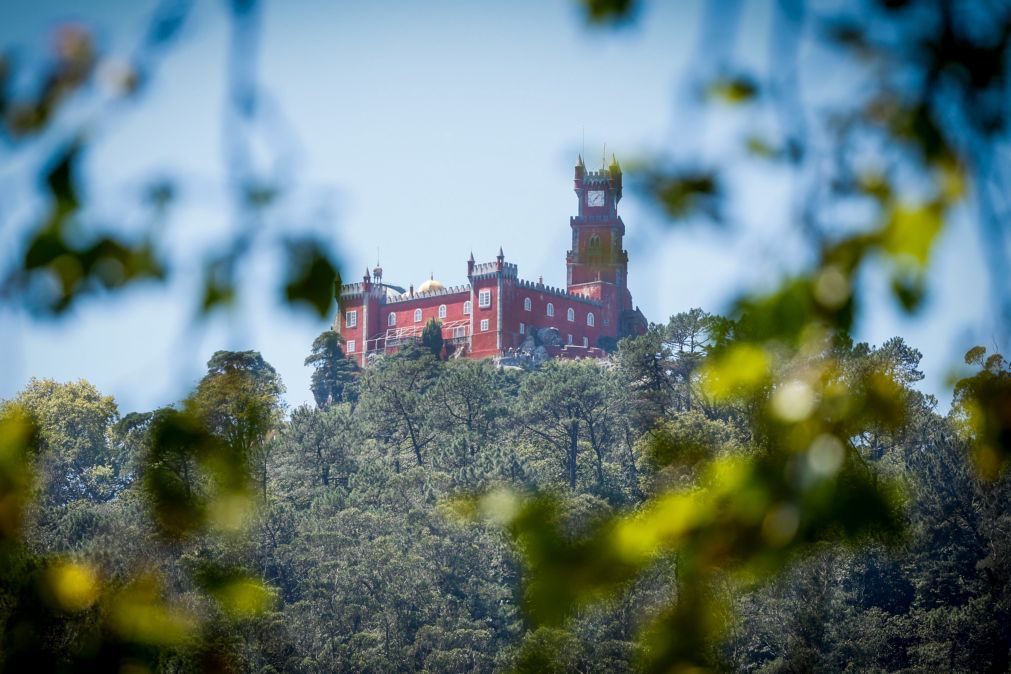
{"type": "Point", "coordinates": [430, 286]}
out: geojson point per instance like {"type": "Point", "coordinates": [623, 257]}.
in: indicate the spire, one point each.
{"type": "Point", "coordinates": [614, 163]}
{"type": "Point", "coordinates": [580, 162]}
{"type": "Point", "coordinates": [471, 258]}
{"type": "Point", "coordinates": [501, 255]}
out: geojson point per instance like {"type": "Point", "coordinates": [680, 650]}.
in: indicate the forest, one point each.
{"type": "Point", "coordinates": [754, 490]}
{"type": "Point", "coordinates": [422, 515]}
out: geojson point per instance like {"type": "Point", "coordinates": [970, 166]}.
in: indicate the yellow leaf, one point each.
{"type": "Point", "coordinates": [741, 369]}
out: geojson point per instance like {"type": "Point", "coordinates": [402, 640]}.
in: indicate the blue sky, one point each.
{"type": "Point", "coordinates": [427, 130]}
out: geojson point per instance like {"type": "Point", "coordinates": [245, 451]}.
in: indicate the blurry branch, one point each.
{"type": "Point", "coordinates": [197, 473]}
{"type": "Point", "coordinates": [67, 257]}
{"type": "Point", "coordinates": [924, 135]}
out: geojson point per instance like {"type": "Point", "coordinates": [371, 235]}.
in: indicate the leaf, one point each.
{"type": "Point", "coordinates": [687, 193]}
{"type": "Point", "coordinates": [609, 11]}
{"type": "Point", "coordinates": [733, 90]}
{"type": "Point", "coordinates": [311, 276]}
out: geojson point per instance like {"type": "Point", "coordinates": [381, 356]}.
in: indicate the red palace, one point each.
{"type": "Point", "coordinates": [498, 314]}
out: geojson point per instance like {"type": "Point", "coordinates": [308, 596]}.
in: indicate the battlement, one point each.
{"type": "Point", "coordinates": [441, 292]}
{"type": "Point", "coordinates": [557, 292]}
{"type": "Point", "coordinates": [483, 269]}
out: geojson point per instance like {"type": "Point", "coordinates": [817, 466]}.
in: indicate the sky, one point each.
{"type": "Point", "coordinates": [415, 133]}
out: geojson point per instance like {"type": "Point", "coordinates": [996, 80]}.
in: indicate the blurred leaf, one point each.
{"type": "Point", "coordinates": [687, 193]}
{"type": "Point", "coordinates": [733, 90]}
{"type": "Point", "coordinates": [18, 435]}
{"type": "Point", "coordinates": [238, 594]}
{"type": "Point", "coordinates": [739, 370]}
{"type": "Point", "coordinates": [910, 232]}
{"type": "Point", "coordinates": [311, 276]}
{"type": "Point", "coordinates": [73, 586]}
{"type": "Point", "coordinates": [760, 147]}
{"type": "Point", "coordinates": [172, 478]}
{"type": "Point", "coordinates": [138, 614]}
{"type": "Point", "coordinates": [609, 11]}
{"type": "Point", "coordinates": [219, 284]}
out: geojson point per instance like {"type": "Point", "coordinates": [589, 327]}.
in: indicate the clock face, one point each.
{"type": "Point", "coordinates": [595, 198]}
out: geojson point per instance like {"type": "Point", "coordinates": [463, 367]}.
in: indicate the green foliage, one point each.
{"type": "Point", "coordinates": [334, 377]}
{"type": "Point", "coordinates": [431, 337]}
{"type": "Point", "coordinates": [73, 420]}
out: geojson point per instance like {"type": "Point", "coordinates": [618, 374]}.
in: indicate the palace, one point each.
{"type": "Point", "coordinates": [498, 314]}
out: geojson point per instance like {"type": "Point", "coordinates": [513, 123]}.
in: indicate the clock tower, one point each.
{"type": "Point", "coordinates": [597, 252]}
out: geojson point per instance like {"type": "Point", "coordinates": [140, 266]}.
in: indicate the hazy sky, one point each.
{"type": "Point", "coordinates": [425, 130]}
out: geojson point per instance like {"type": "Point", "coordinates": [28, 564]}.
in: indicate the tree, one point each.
{"type": "Point", "coordinates": [75, 457]}
{"type": "Point", "coordinates": [239, 401]}
{"type": "Point", "coordinates": [431, 337]}
{"type": "Point", "coordinates": [566, 403]}
{"type": "Point", "coordinates": [334, 375]}
{"type": "Point", "coordinates": [393, 398]}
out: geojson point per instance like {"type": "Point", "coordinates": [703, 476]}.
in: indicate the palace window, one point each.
{"type": "Point", "coordinates": [527, 304]}
{"type": "Point", "coordinates": [351, 319]}
{"type": "Point", "coordinates": [351, 346]}
{"type": "Point", "coordinates": [570, 339]}
{"type": "Point", "coordinates": [417, 315]}
{"type": "Point", "coordinates": [460, 331]}
{"type": "Point", "coordinates": [391, 320]}
{"type": "Point", "coordinates": [590, 319]}
{"type": "Point", "coordinates": [586, 342]}
{"type": "Point", "coordinates": [484, 299]}
{"type": "Point", "coordinates": [571, 314]}
{"type": "Point", "coordinates": [523, 329]}
{"type": "Point", "coordinates": [442, 311]}
{"type": "Point", "coordinates": [466, 307]}
{"type": "Point", "coordinates": [484, 325]}
{"type": "Point", "coordinates": [551, 309]}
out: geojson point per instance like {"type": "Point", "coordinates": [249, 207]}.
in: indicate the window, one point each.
{"type": "Point", "coordinates": [392, 320]}
{"type": "Point", "coordinates": [351, 319]}
{"type": "Point", "coordinates": [484, 299]}
{"type": "Point", "coordinates": [590, 319]}
{"type": "Point", "coordinates": [460, 331]}
{"type": "Point", "coordinates": [523, 329]}
{"type": "Point", "coordinates": [466, 307]}
{"type": "Point", "coordinates": [570, 339]}
{"type": "Point", "coordinates": [442, 311]}
{"type": "Point", "coordinates": [351, 346]}
{"type": "Point", "coordinates": [551, 309]}
{"type": "Point", "coordinates": [586, 342]}
{"type": "Point", "coordinates": [527, 304]}
{"type": "Point", "coordinates": [484, 325]}
{"type": "Point", "coordinates": [571, 314]}
{"type": "Point", "coordinates": [417, 315]}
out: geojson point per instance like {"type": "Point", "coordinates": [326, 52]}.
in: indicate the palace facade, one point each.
{"type": "Point", "coordinates": [497, 313]}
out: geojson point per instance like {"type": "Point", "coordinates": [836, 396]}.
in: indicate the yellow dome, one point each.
{"type": "Point", "coordinates": [431, 285]}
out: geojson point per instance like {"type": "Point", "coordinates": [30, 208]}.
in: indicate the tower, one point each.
{"type": "Point", "coordinates": [597, 252]}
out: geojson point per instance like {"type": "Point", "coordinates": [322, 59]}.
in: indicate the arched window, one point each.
{"type": "Point", "coordinates": [442, 311]}
{"type": "Point", "coordinates": [571, 314]}
{"type": "Point", "coordinates": [392, 320]}
{"type": "Point", "coordinates": [594, 244]}
{"type": "Point", "coordinates": [527, 304]}
{"type": "Point", "coordinates": [551, 309]}
{"type": "Point", "coordinates": [466, 307]}
{"type": "Point", "coordinates": [417, 315]}
{"type": "Point", "coordinates": [590, 320]}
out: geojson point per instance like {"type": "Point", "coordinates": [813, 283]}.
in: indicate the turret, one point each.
{"type": "Point", "coordinates": [580, 173]}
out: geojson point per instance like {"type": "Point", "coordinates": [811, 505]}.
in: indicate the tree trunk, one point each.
{"type": "Point", "coordinates": [573, 449]}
